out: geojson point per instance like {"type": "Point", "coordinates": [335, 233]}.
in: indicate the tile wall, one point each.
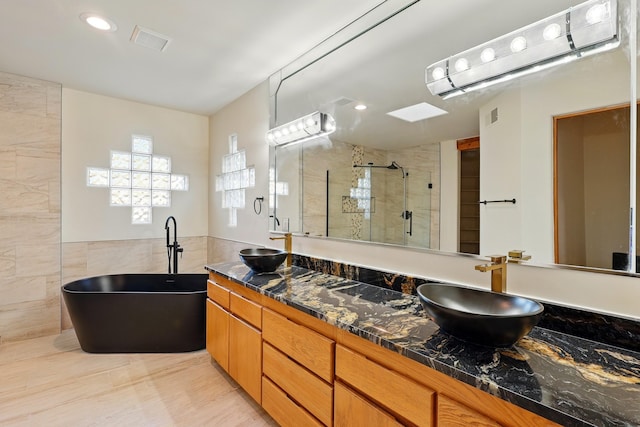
{"type": "Point", "coordinates": [30, 147]}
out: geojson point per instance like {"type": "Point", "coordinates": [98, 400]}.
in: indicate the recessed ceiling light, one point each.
{"type": "Point", "coordinates": [417, 112]}
{"type": "Point", "coordinates": [360, 107]}
{"type": "Point", "coordinates": [98, 22]}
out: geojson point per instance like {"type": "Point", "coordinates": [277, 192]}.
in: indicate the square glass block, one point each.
{"type": "Point", "coordinates": [141, 162]}
{"type": "Point", "coordinates": [141, 215]}
{"type": "Point", "coordinates": [97, 177]}
{"type": "Point", "coordinates": [121, 179]}
{"type": "Point", "coordinates": [236, 179]}
{"type": "Point", "coordinates": [233, 217]}
{"type": "Point", "coordinates": [233, 143]}
{"type": "Point", "coordinates": [141, 198]}
{"type": "Point", "coordinates": [227, 163]}
{"type": "Point", "coordinates": [142, 144]}
{"type": "Point", "coordinates": [160, 198]}
{"type": "Point", "coordinates": [161, 164]}
{"type": "Point", "coordinates": [120, 197]}
{"type": "Point", "coordinates": [180, 182]}
{"type": "Point", "coordinates": [120, 160]}
{"type": "Point", "coordinates": [219, 182]}
{"type": "Point", "coordinates": [141, 179]}
{"type": "Point", "coordinates": [252, 177]}
{"type": "Point", "coordinates": [160, 181]}
{"type": "Point", "coordinates": [282, 188]}
{"type": "Point", "coordinates": [239, 160]}
{"type": "Point", "coordinates": [244, 182]}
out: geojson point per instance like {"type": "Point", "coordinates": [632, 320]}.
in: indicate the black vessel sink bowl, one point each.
{"type": "Point", "coordinates": [263, 260]}
{"type": "Point", "coordinates": [482, 317]}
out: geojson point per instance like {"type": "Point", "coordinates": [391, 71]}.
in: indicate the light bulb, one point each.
{"type": "Point", "coordinates": [98, 22]}
{"type": "Point", "coordinates": [300, 125]}
{"type": "Point", "coordinates": [285, 131]}
{"type": "Point", "coordinates": [277, 134]}
{"type": "Point", "coordinates": [518, 44]}
{"type": "Point", "coordinates": [551, 31]}
{"type": "Point", "coordinates": [360, 107]}
{"type": "Point", "coordinates": [461, 65]}
{"type": "Point", "coordinates": [270, 137]}
{"type": "Point", "coordinates": [437, 73]}
{"type": "Point", "coordinates": [596, 14]}
{"type": "Point", "coordinates": [488, 55]}
{"type": "Point", "coordinates": [292, 128]}
{"type": "Point", "coordinates": [310, 122]}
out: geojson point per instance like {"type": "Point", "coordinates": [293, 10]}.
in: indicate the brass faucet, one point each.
{"type": "Point", "coordinates": [517, 256]}
{"type": "Point", "coordinates": [498, 269]}
{"type": "Point", "coordinates": [287, 247]}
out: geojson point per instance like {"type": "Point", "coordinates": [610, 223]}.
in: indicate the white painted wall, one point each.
{"type": "Point", "coordinates": [248, 117]}
{"type": "Point", "coordinates": [92, 126]}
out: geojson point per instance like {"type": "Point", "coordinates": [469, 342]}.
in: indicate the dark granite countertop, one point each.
{"type": "Point", "coordinates": [566, 379]}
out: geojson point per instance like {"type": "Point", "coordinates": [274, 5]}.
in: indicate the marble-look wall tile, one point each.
{"type": "Point", "coordinates": [222, 250]}
{"type": "Point", "coordinates": [30, 147]}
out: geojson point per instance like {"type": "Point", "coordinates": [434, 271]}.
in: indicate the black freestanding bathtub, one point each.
{"type": "Point", "coordinates": [138, 313]}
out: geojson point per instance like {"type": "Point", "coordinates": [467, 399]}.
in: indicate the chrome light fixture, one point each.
{"type": "Point", "coordinates": [582, 30]}
{"type": "Point", "coordinates": [305, 128]}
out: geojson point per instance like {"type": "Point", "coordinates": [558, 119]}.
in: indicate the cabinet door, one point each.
{"type": "Point", "coordinates": [218, 334]}
{"type": "Point", "coordinates": [454, 414]}
{"type": "Point", "coordinates": [245, 357]}
{"type": "Point", "coordinates": [352, 410]}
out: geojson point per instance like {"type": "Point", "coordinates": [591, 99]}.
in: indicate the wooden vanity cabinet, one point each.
{"type": "Point", "coordinates": [300, 363]}
{"type": "Point", "coordinates": [306, 372]}
{"type": "Point", "coordinates": [234, 337]}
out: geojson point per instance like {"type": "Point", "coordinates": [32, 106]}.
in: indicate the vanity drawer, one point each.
{"type": "Point", "coordinates": [454, 414]}
{"type": "Point", "coordinates": [247, 310]}
{"type": "Point", "coordinates": [218, 294]}
{"type": "Point", "coordinates": [285, 411]}
{"type": "Point", "coordinates": [352, 410]}
{"type": "Point", "coordinates": [307, 389]}
{"type": "Point", "coordinates": [398, 394]}
{"type": "Point", "coordinates": [308, 348]}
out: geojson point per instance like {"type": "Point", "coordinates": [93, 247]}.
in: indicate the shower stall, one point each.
{"type": "Point", "coordinates": [381, 195]}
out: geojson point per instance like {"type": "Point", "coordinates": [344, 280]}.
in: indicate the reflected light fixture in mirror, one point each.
{"type": "Point", "coordinates": [302, 129]}
{"type": "Point", "coordinates": [585, 29]}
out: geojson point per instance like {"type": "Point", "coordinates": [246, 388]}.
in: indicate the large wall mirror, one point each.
{"type": "Point", "coordinates": [548, 151]}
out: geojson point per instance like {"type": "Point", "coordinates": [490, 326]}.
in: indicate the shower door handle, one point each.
{"type": "Point", "coordinates": [409, 215]}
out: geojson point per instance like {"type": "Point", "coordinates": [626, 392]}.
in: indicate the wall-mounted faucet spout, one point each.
{"type": "Point", "coordinates": [173, 248]}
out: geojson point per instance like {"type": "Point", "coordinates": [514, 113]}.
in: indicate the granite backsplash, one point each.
{"type": "Point", "coordinates": [604, 328]}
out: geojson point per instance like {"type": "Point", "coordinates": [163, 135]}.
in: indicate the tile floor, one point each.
{"type": "Point", "coordinates": [50, 381]}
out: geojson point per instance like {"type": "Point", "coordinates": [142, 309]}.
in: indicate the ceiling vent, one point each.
{"type": "Point", "coordinates": [151, 39]}
{"type": "Point", "coordinates": [342, 101]}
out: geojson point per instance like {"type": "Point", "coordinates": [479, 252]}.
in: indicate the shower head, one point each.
{"type": "Point", "coordinates": [393, 165]}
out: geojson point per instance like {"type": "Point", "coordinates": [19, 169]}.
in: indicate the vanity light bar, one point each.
{"type": "Point", "coordinates": [302, 129]}
{"type": "Point", "coordinates": [588, 28]}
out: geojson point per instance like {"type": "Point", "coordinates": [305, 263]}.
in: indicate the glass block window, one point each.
{"type": "Point", "coordinates": [276, 188]}
{"type": "Point", "coordinates": [141, 162]}
{"type": "Point", "coordinates": [160, 198]}
{"type": "Point", "coordinates": [120, 197]}
{"type": "Point", "coordinates": [141, 144]}
{"type": "Point", "coordinates": [97, 177]}
{"type": "Point", "coordinates": [120, 160]}
{"type": "Point", "coordinates": [235, 178]}
{"type": "Point", "coordinates": [161, 164]}
{"type": "Point", "coordinates": [141, 180]}
{"type": "Point", "coordinates": [141, 215]}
